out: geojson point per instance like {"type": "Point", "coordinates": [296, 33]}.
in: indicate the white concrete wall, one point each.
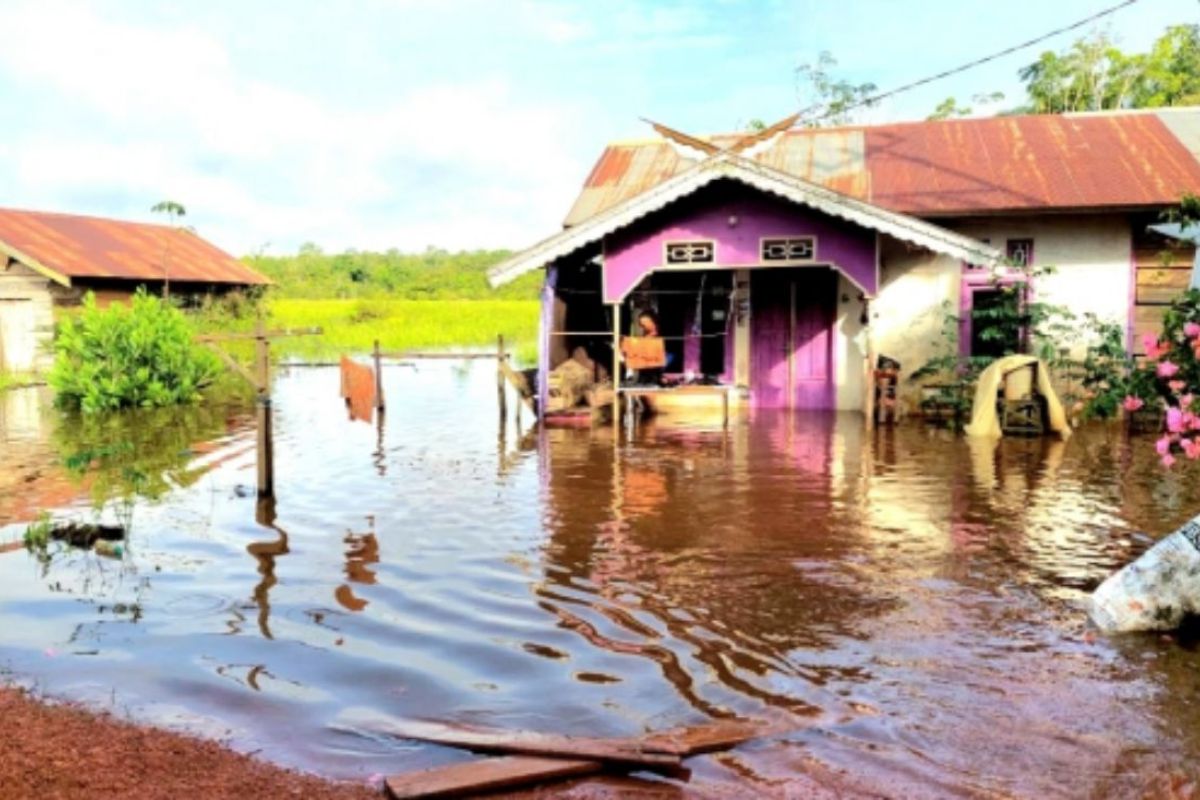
{"type": "Point", "coordinates": [908, 314]}
{"type": "Point", "coordinates": [849, 346]}
{"type": "Point", "coordinates": [1091, 255]}
{"type": "Point", "coordinates": [20, 284]}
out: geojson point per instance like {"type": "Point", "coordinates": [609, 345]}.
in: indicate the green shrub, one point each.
{"type": "Point", "coordinates": [136, 355]}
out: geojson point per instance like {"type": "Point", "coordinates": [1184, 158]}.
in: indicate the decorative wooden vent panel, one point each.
{"type": "Point", "coordinates": [690, 252]}
{"type": "Point", "coordinates": [798, 248]}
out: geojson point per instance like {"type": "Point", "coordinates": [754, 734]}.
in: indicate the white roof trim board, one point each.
{"type": "Point", "coordinates": [764, 178]}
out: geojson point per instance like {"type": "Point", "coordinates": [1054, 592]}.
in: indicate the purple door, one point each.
{"type": "Point", "coordinates": [790, 337]}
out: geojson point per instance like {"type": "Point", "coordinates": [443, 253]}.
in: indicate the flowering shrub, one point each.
{"type": "Point", "coordinates": [1175, 359]}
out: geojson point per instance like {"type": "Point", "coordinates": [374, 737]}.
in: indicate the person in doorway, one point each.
{"type": "Point", "coordinates": [646, 354]}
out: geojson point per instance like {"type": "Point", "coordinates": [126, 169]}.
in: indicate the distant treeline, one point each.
{"type": "Point", "coordinates": [432, 275]}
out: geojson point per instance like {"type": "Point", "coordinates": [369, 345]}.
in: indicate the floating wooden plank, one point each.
{"type": "Point", "coordinates": [625, 752]}
{"type": "Point", "coordinates": [707, 738]}
{"type": "Point", "coordinates": [486, 775]}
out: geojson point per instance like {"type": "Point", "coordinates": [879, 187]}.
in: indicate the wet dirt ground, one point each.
{"type": "Point", "coordinates": [908, 603]}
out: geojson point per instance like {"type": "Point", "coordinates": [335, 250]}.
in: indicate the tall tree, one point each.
{"type": "Point", "coordinates": [833, 100]}
{"type": "Point", "coordinates": [174, 212]}
{"type": "Point", "coordinates": [1093, 74]}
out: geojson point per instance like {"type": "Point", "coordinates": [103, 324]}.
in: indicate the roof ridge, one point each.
{"type": "Point", "coordinates": [72, 215]}
{"type": "Point", "coordinates": [1112, 112]}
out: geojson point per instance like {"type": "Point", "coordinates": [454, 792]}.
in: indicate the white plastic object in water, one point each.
{"type": "Point", "coordinates": [1155, 592]}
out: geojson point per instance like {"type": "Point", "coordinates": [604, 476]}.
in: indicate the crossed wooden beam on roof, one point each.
{"type": "Point", "coordinates": [740, 145]}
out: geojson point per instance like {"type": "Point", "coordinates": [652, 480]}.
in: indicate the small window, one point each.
{"type": "Point", "coordinates": [690, 252]}
{"type": "Point", "coordinates": [799, 248]}
{"type": "Point", "coordinates": [989, 300]}
{"type": "Point", "coordinates": [1019, 252]}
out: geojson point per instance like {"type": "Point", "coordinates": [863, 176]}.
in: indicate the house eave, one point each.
{"type": "Point", "coordinates": [758, 176]}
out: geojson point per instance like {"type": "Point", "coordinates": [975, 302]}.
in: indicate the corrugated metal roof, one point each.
{"type": "Point", "coordinates": [945, 167]}
{"type": "Point", "coordinates": [91, 247]}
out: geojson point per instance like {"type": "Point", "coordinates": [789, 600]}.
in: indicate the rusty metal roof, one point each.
{"type": "Point", "coordinates": [954, 167]}
{"type": "Point", "coordinates": [66, 246]}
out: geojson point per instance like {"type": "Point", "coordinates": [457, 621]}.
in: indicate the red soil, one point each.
{"type": "Point", "coordinates": [58, 751]}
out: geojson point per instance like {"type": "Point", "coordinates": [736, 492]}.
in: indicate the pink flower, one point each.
{"type": "Point", "coordinates": [1175, 420]}
{"type": "Point", "coordinates": [1167, 369]}
{"type": "Point", "coordinates": [1132, 403]}
{"type": "Point", "coordinates": [1185, 401]}
{"type": "Point", "coordinates": [1168, 461]}
{"type": "Point", "coordinates": [1191, 448]}
{"type": "Point", "coordinates": [1163, 446]}
{"type": "Point", "coordinates": [1191, 329]}
{"type": "Point", "coordinates": [1176, 386]}
{"type": "Point", "coordinates": [1153, 347]}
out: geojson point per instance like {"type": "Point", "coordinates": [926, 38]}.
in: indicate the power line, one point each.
{"type": "Point", "coordinates": [964, 67]}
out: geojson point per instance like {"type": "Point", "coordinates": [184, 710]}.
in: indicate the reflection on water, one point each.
{"type": "Point", "coordinates": [908, 601]}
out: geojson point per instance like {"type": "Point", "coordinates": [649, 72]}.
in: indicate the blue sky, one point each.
{"type": "Point", "coordinates": [455, 123]}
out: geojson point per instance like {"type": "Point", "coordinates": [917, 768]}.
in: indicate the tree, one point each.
{"type": "Point", "coordinates": [1093, 74]}
{"type": "Point", "coordinates": [832, 99]}
{"type": "Point", "coordinates": [949, 107]}
{"type": "Point", "coordinates": [173, 211]}
{"type": "Point", "coordinates": [1171, 75]}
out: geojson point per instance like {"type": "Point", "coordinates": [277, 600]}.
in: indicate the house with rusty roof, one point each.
{"type": "Point", "coordinates": [49, 260]}
{"type": "Point", "coordinates": [779, 272]}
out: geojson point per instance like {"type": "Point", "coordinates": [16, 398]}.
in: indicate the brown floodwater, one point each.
{"type": "Point", "coordinates": [907, 604]}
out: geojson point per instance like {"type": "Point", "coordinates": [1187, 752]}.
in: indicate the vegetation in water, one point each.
{"type": "Point", "coordinates": [138, 355]}
{"type": "Point", "coordinates": [1016, 323]}
{"type": "Point", "coordinates": [37, 534]}
{"type": "Point", "coordinates": [138, 453]}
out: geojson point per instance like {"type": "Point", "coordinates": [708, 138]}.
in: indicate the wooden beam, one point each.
{"type": "Point", "coordinates": [276, 334]}
{"type": "Point", "coordinates": [625, 752]}
{"type": "Point", "coordinates": [487, 775]}
{"type": "Point", "coordinates": [232, 363]}
{"type": "Point", "coordinates": [436, 354]}
{"type": "Point", "coordinates": [35, 265]}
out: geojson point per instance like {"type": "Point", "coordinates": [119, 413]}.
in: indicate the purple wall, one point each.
{"type": "Point", "coordinates": [632, 253]}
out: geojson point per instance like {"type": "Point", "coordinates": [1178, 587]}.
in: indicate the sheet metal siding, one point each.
{"type": "Point", "coordinates": [90, 247]}
{"type": "Point", "coordinates": [955, 166]}
{"type": "Point", "coordinates": [1185, 127]}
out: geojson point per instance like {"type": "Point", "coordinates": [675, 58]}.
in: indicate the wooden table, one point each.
{"type": "Point", "coordinates": [633, 391]}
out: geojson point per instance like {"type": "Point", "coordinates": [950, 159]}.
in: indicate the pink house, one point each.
{"type": "Point", "coordinates": [779, 275]}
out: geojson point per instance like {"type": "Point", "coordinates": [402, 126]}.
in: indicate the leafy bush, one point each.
{"type": "Point", "coordinates": [136, 355]}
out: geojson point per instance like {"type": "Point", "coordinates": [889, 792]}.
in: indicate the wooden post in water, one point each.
{"type": "Point", "coordinates": [500, 378]}
{"type": "Point", "coordinates": [616, 369]}
{"type": "Point", "coordinates": [262, 375]}
{"type": "Point", "coordinates": [379, 405]}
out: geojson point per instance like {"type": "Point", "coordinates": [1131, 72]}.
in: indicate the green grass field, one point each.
{"type": "Point", "coordinates": [352, 326]}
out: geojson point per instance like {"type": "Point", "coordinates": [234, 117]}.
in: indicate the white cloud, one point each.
{"type": "Point", "coordinates": [168, 114]}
